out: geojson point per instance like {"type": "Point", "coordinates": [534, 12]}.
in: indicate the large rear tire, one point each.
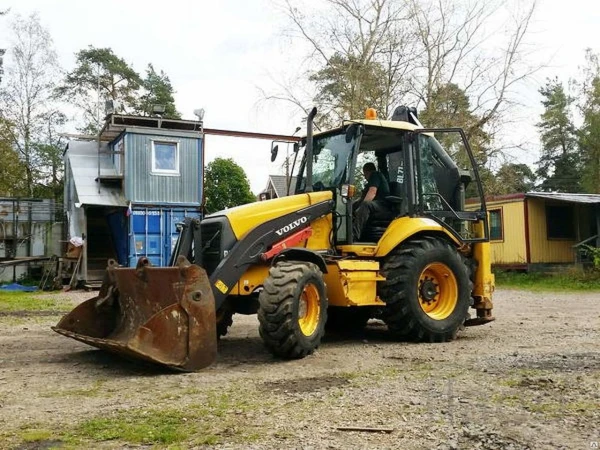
{"type": "Point", "coordinates": [293, 309]}
{"type": "Point", "coordinates": [427, 290]}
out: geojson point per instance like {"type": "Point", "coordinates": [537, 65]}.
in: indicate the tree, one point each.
{"type": "Point", "coordinates": [589, 133]}
{"type": "Point", "coordinates": [226, 185]}
{"type": "Point", "coordinates": [27, 96]}
{"type": "Point", "coordinates": [12, 171]}
{"type": "Point", "coordinates": [100, 75]}
{"type": "Point", "coordinates": [558, 166]}
{"type": "Point", "coordinates": [392, 52]}
{"type": "Point", "coordinates": [50, 170]}
{"type": "Point", "coordinates": [513, 178]}
{"type": "Point", "coordinates": [157, 91]}
{"type": "Point", "coordinates": [347, 84]}
{"type": "Point", "coordinates": [2, 52]}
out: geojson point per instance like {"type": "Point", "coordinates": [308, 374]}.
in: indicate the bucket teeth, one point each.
{"type": "Point", "coordinates": [165, 315]}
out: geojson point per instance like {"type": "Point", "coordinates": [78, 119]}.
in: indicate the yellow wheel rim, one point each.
{"type": "Point", "coordinates": [309, 310]}
{"type": "Point", "coordinates": [438, 291]}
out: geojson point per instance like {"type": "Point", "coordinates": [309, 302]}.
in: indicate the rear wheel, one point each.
{"type": "Point", "coordinates": [427, 290]}
{"type": "Point", "coordinates": [293, 309]}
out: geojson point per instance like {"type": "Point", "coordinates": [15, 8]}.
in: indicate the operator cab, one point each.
{"type": "Point", "coordinates": [420, 166]}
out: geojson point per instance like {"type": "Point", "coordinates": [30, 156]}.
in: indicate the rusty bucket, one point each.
{"type": "Point", "coordinates": [165, 315]}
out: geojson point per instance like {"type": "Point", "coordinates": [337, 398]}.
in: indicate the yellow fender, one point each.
{"type": "Point", "coordinates": [403, 228]}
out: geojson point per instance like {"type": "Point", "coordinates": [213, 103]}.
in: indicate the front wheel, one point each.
{"type": "Point", "coordinates": [293, 309]}
{"type": "Point", "coordinates": [427, 290]}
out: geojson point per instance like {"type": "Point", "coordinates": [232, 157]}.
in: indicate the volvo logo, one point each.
{"type": "Point", "coordinates": [290, 226]}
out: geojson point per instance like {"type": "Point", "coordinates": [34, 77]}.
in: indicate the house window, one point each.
{"type": "Point", "coordinates": [165, 157]}
{"type": "Point", "coordinates": [560, 221]}
{"type": "Point", "coordinates": [496, 225]}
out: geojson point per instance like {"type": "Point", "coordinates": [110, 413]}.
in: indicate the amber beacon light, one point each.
{"type": "Point", "coordinates": [370, 114]}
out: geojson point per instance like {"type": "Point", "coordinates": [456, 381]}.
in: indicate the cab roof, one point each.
{"type": "Point", "coordinates": [390, 124]}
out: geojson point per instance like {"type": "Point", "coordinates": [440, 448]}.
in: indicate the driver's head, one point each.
{"type": "Point", "coordinates": [368, 169]}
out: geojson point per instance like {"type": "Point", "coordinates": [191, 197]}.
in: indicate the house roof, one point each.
{"type": "Point", "coordinates": [556, 196]}
{"type": "Point", "coordinates": [83, 157]}
{"type": "Point", "coordinates": [565, 197]}
{"type": "Point", "coordinates": [279, 183]}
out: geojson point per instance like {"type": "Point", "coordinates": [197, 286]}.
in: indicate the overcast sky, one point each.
{"type": "Point", "coordinates": [218, 54]}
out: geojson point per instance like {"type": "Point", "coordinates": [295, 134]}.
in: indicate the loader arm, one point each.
{"type": "Point", "coordinates": [249, 250]}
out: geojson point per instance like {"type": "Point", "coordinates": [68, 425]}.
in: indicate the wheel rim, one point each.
{"type": "Point", "coordinates": [438, 291]}
{"type": "Point", "coordinates": [309, 310]}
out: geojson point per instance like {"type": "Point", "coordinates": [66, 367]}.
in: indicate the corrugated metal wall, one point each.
{"type": "Point", "coordinates": [512, 249]}
{"type": "Point", "coordinates": [142, 186]}
{"type": "Point", "coordinates": [542, 249]}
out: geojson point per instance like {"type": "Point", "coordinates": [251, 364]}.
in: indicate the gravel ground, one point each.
{"type": "Point", "coordinates": [530, 380]}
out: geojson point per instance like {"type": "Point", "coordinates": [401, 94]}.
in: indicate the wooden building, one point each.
{"type": "Point", "coordinates": [539, 231]}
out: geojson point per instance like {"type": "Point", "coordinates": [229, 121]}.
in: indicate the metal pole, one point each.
{"type": "Point", "coordinates": [15, 237]}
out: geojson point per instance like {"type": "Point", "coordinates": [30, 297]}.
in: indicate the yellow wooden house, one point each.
{"type": "Point", "coordinates": [540, 230]}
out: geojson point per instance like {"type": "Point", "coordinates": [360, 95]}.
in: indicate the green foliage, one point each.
{"type": "Point", "coordinates": [559, 165]}
{"type": "Point", "coordinates": [347, 85]}
{"type": "Point", "coordinates": [568, 281]}
{"type": "Point", "coordinates": [157, 91]}
{"type": "Point", "coordinates": [26, 98]}
{"type": "Point", "coordinates": [589, 133]}
{"type": "Point", "coordinates": [226, 185]}
{"type": "Point", "coordinates": [449, 107]}
{"type": "Point", "coordinates": [12, 170]}
{"type": "Point", "coordinates": [511, 178]}
{"type": "Point", "coordinates": [594, 254]}
{"type": "Point", "coordinates": [99, 69]}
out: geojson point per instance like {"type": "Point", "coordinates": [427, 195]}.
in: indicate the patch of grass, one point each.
{"type": "Point", "coordinates": [92, 391]}
{"type": "Point", "coordinates": [567, 281]}
{"type": "Point", "coordinates": [560, 409]}
{"type": "Point", "coordinates": [36, 435]}
{"type": "Point", "coordinates": [32, 301]}
{"type": "Point", "coordinates": [201, 424]}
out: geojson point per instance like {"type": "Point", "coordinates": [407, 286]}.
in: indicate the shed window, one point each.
{"type": "Point", "coordinates": [165, 157]}
{"type": "Point", "coordinates": [560, 221]}
{"type": "Point", "coordinates": [496, 225]}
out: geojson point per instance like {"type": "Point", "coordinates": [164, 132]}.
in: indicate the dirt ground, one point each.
{"type": "Point", "coordinates": [530, 380]}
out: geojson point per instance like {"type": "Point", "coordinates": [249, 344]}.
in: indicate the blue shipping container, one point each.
{"type": "Point", "coordinates": [153, 233]}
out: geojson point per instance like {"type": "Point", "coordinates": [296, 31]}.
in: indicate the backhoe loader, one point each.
{"type": "Point", "coordinates": [296, 262]}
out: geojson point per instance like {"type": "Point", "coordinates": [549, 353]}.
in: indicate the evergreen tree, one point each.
{"type": "Point", "coordinates": [157, 91]}
{"type": "Point", "coordinates": [589, 134]}
{"type": "Point", "coordinates": [514, 178]}
{"type": "Point", "coordinates": [226, 185]}
{"type": "Point", "coordinates": [558, 167]}
{"type": "Point", "coordinates": [99, 72]}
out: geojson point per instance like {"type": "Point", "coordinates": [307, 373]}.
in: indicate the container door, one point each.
{"type": "Point", "coordinates": [172, 218]}
{"type": "Point", "coordinates": [146, 230]}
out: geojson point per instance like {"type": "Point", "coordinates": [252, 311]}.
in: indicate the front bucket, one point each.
{"type": "Point", "coordinates": [165, 315]}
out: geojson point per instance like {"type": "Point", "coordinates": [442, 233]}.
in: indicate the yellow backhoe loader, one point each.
{"type": "Point", "coordinates": [297, 263]}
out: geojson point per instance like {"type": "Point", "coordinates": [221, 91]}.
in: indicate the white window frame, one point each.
{"type": "Point", "coordinates": [154, 169]}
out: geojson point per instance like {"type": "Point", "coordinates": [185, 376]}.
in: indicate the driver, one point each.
{"type": "Point", "coordinates": [372, 203]}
